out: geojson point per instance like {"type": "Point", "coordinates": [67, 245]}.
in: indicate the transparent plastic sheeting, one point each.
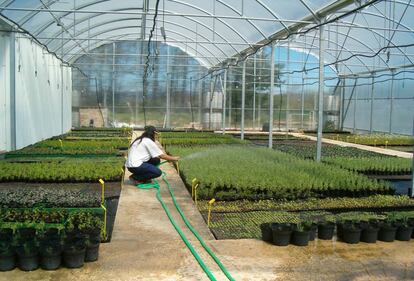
{"type": "Point", "coordinates": [42, 102]}
{"type": "Point", "coordinates": [5, 131]}
{"type": "Point", "coordinates": [378, 36]}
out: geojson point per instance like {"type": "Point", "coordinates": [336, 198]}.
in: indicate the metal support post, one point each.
{"type": "Point", "coordinates": [200, 98]}
{"type": "Point", "coordinates": [371, 114]}
{"type": "Point", "coordinates": [13, 106]}
{"type": "Point", "coordinates": [243, 100]}
{"type": "Point", "coordinates": [167, 102]}
{"type": "Point", "coordinates": [61, 85]}
{"type": "Point", "coordinates": [230, 104]}
{"type": "Point", "coordinates": [355, 106]}
{"type": "Point", "coordinates": [113, 84]}
{"type": "Point", "coordinates": [254, 92]}
{"type": "Point", "coordinates": [210, 98]}
{"type": "Point", "coordinates": [302, 103]}
{"type": "Point", "coordinates": [271, 94]}
{"type": "Point", "coordinates": [287, 89]}
{"type": "Point", "coordinates": [412, 171]}
{"type": "Point", "coordinates": [391, 101]}
{"type": "Point", "coordinates": [223, 116]}
{"type": "Point", "coordinates": [320, 93]}
{"type": "Point", "coordinates": [341, 105]}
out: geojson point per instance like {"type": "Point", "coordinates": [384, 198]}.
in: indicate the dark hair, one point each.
{"type": "Point", "coordinates": [149, 132]}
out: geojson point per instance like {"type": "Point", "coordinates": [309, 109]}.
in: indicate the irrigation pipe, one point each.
{"type": "Point", "coordinates": [187, 223]}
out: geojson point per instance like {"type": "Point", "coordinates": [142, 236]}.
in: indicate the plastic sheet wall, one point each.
{"type": "Point", "coordinates": [5, 131]}
{"type": "Point", "coordinates": [42, 94]}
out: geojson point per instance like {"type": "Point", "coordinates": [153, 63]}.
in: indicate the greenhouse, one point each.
{"type": "Point", "coordinates": [206, 140]}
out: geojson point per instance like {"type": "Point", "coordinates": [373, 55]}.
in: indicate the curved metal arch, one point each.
{"type": "Point", "coordinates": [220, 20]}
{"type": "Point", "coordinates": [249, 21]}
{"type": "Point", "coordinates": [117, 28]}
{"type": "Point", "coordinates": [117, 37]}
{"type": "Point", "coordinates": [276, 16]}
{"type": "Point", "coordinates": [186, 17]}
{"type": "Point", "coordinates": [403, 25]}
{"type": "Point", "coordinates": [356, 40]}
{"type": "Point", "coordinates": [32, 14]}
{"type": "Point", "coordinates": [9, 2]}
{"type": "Point", "coordinates": [125, 19]}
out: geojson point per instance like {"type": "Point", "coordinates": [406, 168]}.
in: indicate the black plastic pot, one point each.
{"type": "Point", "coordinates": [369, 234]}
{"type": "Point", "coordinates": [300, 237]}
{"type": "Point", "coordinates": [281, 234]}
{"type": "Point", "coordinates": [312, 232]}
{"type": "Point", "coordinates": [387, 232]}
{"type": "Point", "coordinates": [7, 260]}
{"type": "Point", "coordinates": [267, 234]}
{"type": "Point", "coordinates": [404, 233]}
{"type": "Point", "coordinates": [92, 252]}
{"type": "Point", "coordinates": [27, 233]}
{"type": "Point", "coordinates": [6, 234]}
{"type": "Point", "coordinates": [351, 234]}
{"type": "Point", "coordinates": [74, 257]}
{"type": "Point", "coordinates": [28, 261]}
{"type": "Point", "coordinates": [326, 230]}
{"type": "Point", "coordinates": [111, 205]}
{"type": "Point", "coordinates": [50, 256]}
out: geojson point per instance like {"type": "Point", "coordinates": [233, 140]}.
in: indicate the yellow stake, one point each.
{"type": "Point", "coordinates": [386, 144]}
{"type": "Point", "coordinates": [195, 193]}
{"type": "Point", "coordinates": [193, 184]}
{"type": "Point", "coordinates": [61, 144]}
{"type": "Point", "coordinates": [178, 168]}
{"type": "Point", "coordinates": [102, 182]}
{"type": "Point", "coordinates": [210, 203]}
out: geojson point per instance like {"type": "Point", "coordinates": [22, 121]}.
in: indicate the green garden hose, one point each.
{"type": "Point", "coordinates": [182, 235]}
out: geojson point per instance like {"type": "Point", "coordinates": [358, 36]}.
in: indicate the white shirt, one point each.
{"type": "Point", "coordinates": [142, 151]}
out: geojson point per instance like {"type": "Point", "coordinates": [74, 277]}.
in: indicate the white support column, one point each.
{"type": "Point", "coordinates": [355, 106]}
{"type": "Point", "coordinates": [391, 101]}
{"type": "Point", "coordinates": [254, 92]}
{"type": "Point", "coordinates": [243, 100]}
{"type": "Point", "coordinates": [287, 88]}
{"type": "Point", "coordinates": [113, 84]}
{"type": "Point", "coordinates": [230, 102]}
{"type": "Point", "coordinates": [271, 94]}
{"type": "Point", "coordinates": [412, 171]}
{"type": "Point", "coordinates": [200, 96]}
{"type": "Point", "coordinates": [320, 93]}
{"type": "Point", "coordinates": [167, 102]}
{"type": "Point", "coordinates": [13, 105]}
{"type": "Point", "coordinates": [341, 105]}
{"type": "Point", "coordinates": [371, 113]}
{"type": "Point", "coordinates": [223, 116]}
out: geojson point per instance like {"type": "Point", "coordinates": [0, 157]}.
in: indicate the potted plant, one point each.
{"type": "Point", "coordinates": [326, 230]}
{"type": "Point", "coordinates": [404, 230]}
{"type": "Point", "coordinates": [92, 226]}
{"type": "Point", "coordinates": [266, 231]}
{"type": "Point", "coordinates": [51, 249]}
{"type": "Point", "coordinates": [7, 256]}
{"type": "Point", "coordinates": [300, 234]}
{"type": "Point", "coordinates": [281, 234]}
{"type": "Point", "coordinates": [351, 232]}
{"type": "Point", "coordinates": [74, 253]}
{"type": "Point", "coordinates": [28, 256]}
{"type": "Point", "coordinates": [387, 230]}
{"type": "Point", "coordinates": [369, 231]}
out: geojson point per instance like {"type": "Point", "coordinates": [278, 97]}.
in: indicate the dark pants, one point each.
{"type": "Point", "coordinates": [148, 170]}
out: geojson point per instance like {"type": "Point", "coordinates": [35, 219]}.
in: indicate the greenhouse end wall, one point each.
{"type": "Point", "coordinates": [37, 105]}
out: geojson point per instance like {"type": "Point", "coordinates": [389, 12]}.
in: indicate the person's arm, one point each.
{"type": "Point", "coordinates": [169, 157]}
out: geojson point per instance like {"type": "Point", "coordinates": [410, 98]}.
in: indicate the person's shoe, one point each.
{"type": "Point", "coordinates": [144, 181]}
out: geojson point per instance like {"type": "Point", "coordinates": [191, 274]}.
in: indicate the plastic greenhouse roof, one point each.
{"type": "Point", "coordinates": [214, 31]}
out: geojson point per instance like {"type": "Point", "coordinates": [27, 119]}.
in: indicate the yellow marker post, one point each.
{"type": "Point", "coordinates": [61, 144]}
{"type": "Point", "coordinates": [210, 204]}
{"type": "Point", "coordinates": [193, 184]}
{"type": "Point", "coordinates": [101, 181]}
{"type": "Point", "coordinates": [178, 168]}
{"type": "Point", "coordinates": [337, 137]}
{"type": "Point", "coordinates": [386, 144]}
{"type": "Point", "coordinates": [347, 138]}
{"type": "Point", "coordinates": [375, 142]}
{"type": "Point", "coordinates": [195, 194]}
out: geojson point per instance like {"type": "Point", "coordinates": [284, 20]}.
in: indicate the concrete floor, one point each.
{"type": "Point", "coordinates": [145, 246]}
